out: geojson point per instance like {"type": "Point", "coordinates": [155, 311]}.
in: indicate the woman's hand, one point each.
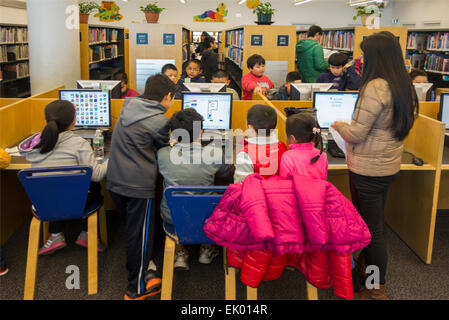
{"type": "Point", "coordinates": [337, 125]}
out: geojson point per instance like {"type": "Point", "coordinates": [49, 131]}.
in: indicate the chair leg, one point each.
{"type": "Point", "coordinates": [167, 271]}
{"type": "Point", "coordinates": [31, 268]}
{"type": "Point", "coordinates": [251, 293]}
{"type": "Point", "coordinates": [46, 231]}
{"type": "Point", "coordinates": [312, 292]}
{"type": "Point", "coordinates": [92, 254]}
{"type": "Point", "coordinates": [103, 227]}
{"type": "Point", "coordinates": [229, 279]}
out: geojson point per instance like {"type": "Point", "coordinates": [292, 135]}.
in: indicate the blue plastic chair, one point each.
{"type": "Point", "coordinates": [189, 213]}
{"type": "Point", "coordinates": [60, 193]}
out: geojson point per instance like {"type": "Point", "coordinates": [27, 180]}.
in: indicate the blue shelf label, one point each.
{"type": "Point", "coordinates": [141, 38]}
{"type": "Point", "coordinates": [168, 39]}
{"type": "Point", "coordinates": [283, 40]}
{"type": "Point", "coordinates": [256, 40]}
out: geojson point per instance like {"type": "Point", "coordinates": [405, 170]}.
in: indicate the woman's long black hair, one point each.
{"type": "Point", "coordinates": [59, 115]}
{"type": "Point", "coordinates": [383, 59]}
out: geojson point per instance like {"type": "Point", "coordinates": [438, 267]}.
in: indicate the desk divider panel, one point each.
{"type": "Point", "coordinates": [15, 123]}
{"type": "Point", "coordinates": [429, 109]}
{"type": "Point", "coordinates": [50, 94]}
{"type": "Point", "coordinates": [7, 101]}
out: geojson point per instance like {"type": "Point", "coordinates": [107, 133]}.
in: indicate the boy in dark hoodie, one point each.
{"type": "Point", "coordinates": [194, 70]}
{"type": "Point", "coordinates": [140, 131]}
{"type": "Point", "coordinates": [284, 92]}
{"type": "Point", "coordinates": [343, 77]}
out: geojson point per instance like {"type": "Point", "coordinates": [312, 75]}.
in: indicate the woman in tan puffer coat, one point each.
{"type": "Point", "coordinates": [382, 119]}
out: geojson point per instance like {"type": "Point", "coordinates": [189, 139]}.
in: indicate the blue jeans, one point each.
{"type": "Point", "coordinates": [2, 257]}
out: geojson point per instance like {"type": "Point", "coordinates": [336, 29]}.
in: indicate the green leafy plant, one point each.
{"type": "Point", "coordinates": [375, 9]}
{"type": "Point", "coordinates": [152, 7]}
{"type": "Point", "coordinates": [264, 8]}
{"type": "Point", "coordinates": [88, 7]}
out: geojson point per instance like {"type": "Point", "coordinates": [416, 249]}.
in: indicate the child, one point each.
{"type": "Point", "coordinates": [222, 76]}
{"type": "Point", "coordinates": [5, 160]}
{"type": "Point", "coordinates": [303, 136]}
{"type": "Point", "coordinates": [131, 178]}
{"type": "Point", "coordinates": [126, 91]}
{"type": "Point", "coordinates": [186, 172]}
{"type": "Point", "coordinates": [341, 76]}
{"type": "Point", "coordinates": [58, 146]}
{"type": "Point", "coordinates": [194, 69]}
{"type": "Point", "coordinates": [170, 71]}
{"type": "Point", "coordinates": [255, 81]}
{"type": "Point", "coordinates": [209, 58]}
{"type": "Point", "coordinates": [284, 91]}
{"type": "Point", "coordinates": [419, 76]}
{"type": "Point", "coordinates": [262, 151]}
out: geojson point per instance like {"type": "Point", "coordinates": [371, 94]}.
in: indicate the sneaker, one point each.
{"type": "Point", "coordinates": [82, 241]}
{"type": "Point", "coordinates": [152, 287]}
{"type": "Point", "coordinates": [3, 270]}
{"type": "Point", "coordinates": [54, 243]}
{"type": "Point", "coordinates": [181, 260]}
{"type": "Point", "coordinates": [207, 253]}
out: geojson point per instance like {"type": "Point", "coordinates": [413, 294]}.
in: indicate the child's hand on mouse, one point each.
{"type": "Point", "coordinates": [258, 90]}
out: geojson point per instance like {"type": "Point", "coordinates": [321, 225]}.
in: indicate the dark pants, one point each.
{"type": "Point", "coordinates": [93, 194]}
{"type": "Point", "coordinates": [139, 220]}
{"type": "Point", "coordinates": [369, 195]}
{"type": "Point", "coordinates": [2, 258]}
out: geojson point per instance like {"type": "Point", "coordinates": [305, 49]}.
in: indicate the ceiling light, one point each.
{"type": "Point", "coordinates": [301, 2]}
{"type": "Point", "coordinates": [242, 1]}
{"type": "Point", "coordinates": [361, 2]}
{"type": "Point", "coordinates": [183, 1]}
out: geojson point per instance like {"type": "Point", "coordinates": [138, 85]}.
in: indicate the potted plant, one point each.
{"type": "Point", "coordinates": [365, 12]}
{"type": "Point", "coordinates": [152, 12]}
{"type": "Point", "coordinates": [264, 12]}
{"type": "Point", "coordinates": [85, 10]}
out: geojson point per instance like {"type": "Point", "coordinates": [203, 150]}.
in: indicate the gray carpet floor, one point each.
{"type": "Point", "coordinates": [407, 276]}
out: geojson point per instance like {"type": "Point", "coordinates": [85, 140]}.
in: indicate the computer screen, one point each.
{"type": "Point", "coordinates": [303, 91]}
{"type": "Point", "coordinates": [206, 87]}
{"type": "Point", "coordinates": [113, 85]}
{"type": "Point", "coordinates": [216, 108]}
{"type": "Point", "coordinates": [422, 89]}
{"type": "Point", "coordinates": [146, 68]}
{"type": "Point", "coordinates": [444, 109]}
{"type": "Point", "coordinates": [333, 106]}
{"type": "Point", "coordinates": [93, 107]}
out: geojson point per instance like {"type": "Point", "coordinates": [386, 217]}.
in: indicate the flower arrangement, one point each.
{"type": "Point", "coordinates": [88, 7]}
{"type": "Point", "coordinates": [375, 9]}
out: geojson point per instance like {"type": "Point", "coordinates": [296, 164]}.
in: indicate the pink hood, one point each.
{"type": "Point", "coordinates": [288, 215]}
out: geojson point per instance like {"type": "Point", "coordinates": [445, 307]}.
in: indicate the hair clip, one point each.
{"type": "Point", "coordinates": [316, 130]}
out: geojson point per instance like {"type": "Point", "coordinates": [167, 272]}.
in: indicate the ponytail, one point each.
{"type": "Point", "coordinates": [59, 116]}
{"type": "Point", "coordinates": [318, 139]}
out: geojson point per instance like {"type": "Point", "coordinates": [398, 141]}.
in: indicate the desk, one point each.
{"type": "Point", "coordinates": [443, 199]}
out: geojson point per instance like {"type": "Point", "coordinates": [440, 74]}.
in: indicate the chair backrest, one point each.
{"type": "Point", "coordinates": [57, 193]}
{"type": "Point", "coordinates": [190, 211]}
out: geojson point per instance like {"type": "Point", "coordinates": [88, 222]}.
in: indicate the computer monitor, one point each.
{"type": "Point", "coordinates": [146, 68]}
{"type": "Point", "coordinates": [206, 87]}
{"type": "Point", "coordinates": [443, 115]}
{"type": "Point", "coordinates": [216, 108]}
{"type": "Point", "coordinates": [333, 106]}
{"type": "Point", "coordinates": [111, 85]}
{"type": "Point", "coordinates": [303, 91]}
{"type": "Point", "coordinates": [93, 107]}
{"type": "Point", "coordinates": [422, 89]}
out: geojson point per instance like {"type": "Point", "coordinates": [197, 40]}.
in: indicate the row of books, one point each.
{"type": "Point", "coordinates": [343, 40]}
{"type": "Point", "coordinates": [234, 38]}
{"type": "Point", "coordinates": [438, 41]}
{"type": "Point", "coordinates": [437, 63]}
{"type": "Point", "coordinates": [99, 35]}
{"type": "Point", "coordinates": [14, 71]}
{"type": "Point", "coordinates": [185, 36]}
{"type": "Point", "coordinates": [103, 52]}
{"type": "Point", "coordinates": [13, 35]}
{"type": "Point", "coordinates": [13, 53]}
{"type": "Point", "coordinates": [236, 55]}
{"type": "Point", "coordinates": [301, 36]}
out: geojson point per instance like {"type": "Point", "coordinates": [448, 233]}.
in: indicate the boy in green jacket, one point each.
{"type": "Point", "coordinates": [311, 62]}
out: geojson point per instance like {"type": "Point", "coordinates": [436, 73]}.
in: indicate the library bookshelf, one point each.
{"type": "Point", "coordinates": [274, 43]}
{"type": "Point", "coordinates": [103, 51]}
{"type": "Point", "coordinates": [14, 61]}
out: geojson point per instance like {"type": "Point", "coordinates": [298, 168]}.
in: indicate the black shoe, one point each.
{"type": "Point", "coordinates": [152, 287]}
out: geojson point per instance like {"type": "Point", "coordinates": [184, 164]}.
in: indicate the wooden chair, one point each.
{"type": "Point", "coordinates": [189, 208]}
{"type": "Point", "coordinates": [60, 193]}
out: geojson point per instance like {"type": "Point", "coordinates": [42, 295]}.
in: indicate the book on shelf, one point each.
{"type": "Point", "coordinates": [103, 52]}
{"type": "Point", "coordinates": [13, 34]}
{"type": "Point", "coordinates": [301, 36]}
{"type": "Point", "coordinates": [438, 41]}
{"type": "Point", "coordinates": [101, 35]}
{"type": "Point", "coordinates": [340, 40]}
{"type": "Point", "coordinates": [234, 38]}
{"type": "Point", "coordinates": [437, 63]}
{"type": "Point", "coordinates": [416, 41]}
{"type": "Point", "coordinates": [236, 55]}
{"type": "Point", "coordinates": [417, 60]}
{"type": "Point", "coordinates": [16, 71]}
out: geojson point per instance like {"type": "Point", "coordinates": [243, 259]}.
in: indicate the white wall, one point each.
{"type": "Point", "coordinates": [13, 16]}
{"type": "Point", "coordinates": [420, 11]}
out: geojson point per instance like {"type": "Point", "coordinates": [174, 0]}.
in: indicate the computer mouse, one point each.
{"type": "Point", "coordinates": [417, 162]}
